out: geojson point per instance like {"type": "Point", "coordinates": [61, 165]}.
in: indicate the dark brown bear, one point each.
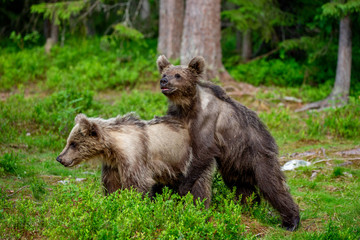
{"type": "Point", "coordinates": [221, 127]}
{"type": "Point", "coordinates": [135, 153]}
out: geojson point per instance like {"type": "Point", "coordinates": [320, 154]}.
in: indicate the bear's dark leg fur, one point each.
{"type": "Point", "coordinates": [245, 186]}
{"type": "Point", "coordinates": [156, 189]}
{"type": "Point", "coordinates": [245, 191]}
{"type": "Point", "coordinates": [110, 179]}
{"type": "Point", "coordinates": [273, 187]}
{"type": "Point", "coordinates": [202, 187]}
{"type": "Point", "coordinates": [198, 170]}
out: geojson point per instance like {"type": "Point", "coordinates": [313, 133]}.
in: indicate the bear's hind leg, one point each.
{"type": "Point", "coordinates": [247, 191]}
{"type": "Point", "coordinates": [272, 186]}
{"type": "Point", "coordinates": [243, 181]}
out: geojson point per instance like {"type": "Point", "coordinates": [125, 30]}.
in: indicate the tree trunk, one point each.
{"type": "Point", "coordinates": [202, 34]}
{"type": "Point", "coordinates": [170, 27]}
{"type": "Point", "coordinates": [145, 10]}
{"type": "Point", "coordinates": [54, 36]}
{"type": "Point", "coordinates": [89, 26]}
{"type": "Point", "coordinates": [343, 70]}
{"type": "Point", "coordinates": [340, 93]}
{"type": "Point", "coordinates": [238, 41]}
{"type": "Point", "coordinates": [246, 46]}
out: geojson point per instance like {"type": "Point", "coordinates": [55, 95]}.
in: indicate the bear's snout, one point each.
{"type": "Point", "coordinates": [59, 159]}
{"type": "Point", "coordinates": [163, 81]}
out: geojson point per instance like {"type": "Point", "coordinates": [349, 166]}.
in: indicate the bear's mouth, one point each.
{"type": "Point", "coordinates": [70, 164]}
{"type": "Point", "coordinates": [167, 90]}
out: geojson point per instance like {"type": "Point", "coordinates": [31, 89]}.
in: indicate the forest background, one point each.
{"type": "Point", "coordinates": [279, 58]}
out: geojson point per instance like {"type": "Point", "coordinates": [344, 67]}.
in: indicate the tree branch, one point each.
{"type": "Point", "coordinates": [264, 55]}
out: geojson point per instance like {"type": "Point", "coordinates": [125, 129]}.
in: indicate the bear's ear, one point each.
{"type": "Point", "coordinates": [79, 117]}
{"type": "Point", "coordinates": [197, 64]}
{"type": "Point", "coordinates": [88, 127]}
{"type": "Point", "coordinates": [162, 63]}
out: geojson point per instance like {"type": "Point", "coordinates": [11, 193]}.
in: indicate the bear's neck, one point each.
{"type": "Point", "coordinates": [185, 110]}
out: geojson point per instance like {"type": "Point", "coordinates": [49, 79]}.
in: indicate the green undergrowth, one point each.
{"type": "Point", "coordinates": [94, 65]}
{"type": "Point", "coordinates": [263, 72]}
{"type": "Point", "coordinates": [336, 124]}
{"type": "Point", "coordinates": [301, 80]}
{"type": "Point", "coordinates": [80, 211]}
{"type": "Point", "coordinates": [342, 122]}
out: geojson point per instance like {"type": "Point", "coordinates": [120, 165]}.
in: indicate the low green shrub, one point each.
{"type": "Point", "coordinates": [22, 67]}
{"type": "Point", "coordinates": [37, 187]}
{"type": "Point", "coordinates": [57, 111]}
{"type": "Point", "coordinates": [269, 72]}
{"type": "Point", "coordinates": [77, 211]}
{"type": "Point", "coordinates": [9, 163]}
{"type": "Point", "coordinates": [90, 66]}
{"type": "Point", "coordinates": [337, 172]}
{"type": "Point", "coordinates": [333, 231]}
{"type": "Point", "coordinates": [339, 122]}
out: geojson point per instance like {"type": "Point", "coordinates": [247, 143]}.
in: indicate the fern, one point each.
{"type": "Point", "coordinates": [59, 11]}
{"type": "Point", "coordinates": [124, 32]}
{"type": "Point", "coordinates": [340, 9]}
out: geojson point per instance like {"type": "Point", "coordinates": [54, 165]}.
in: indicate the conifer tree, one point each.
{"type": "Point", "coordinates": [341, 10]}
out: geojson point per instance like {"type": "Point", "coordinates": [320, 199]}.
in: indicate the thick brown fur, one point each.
{"type": "Point", "coordinates": [136, 153]}
{"type": "Point", "coordinates": [221, 127]}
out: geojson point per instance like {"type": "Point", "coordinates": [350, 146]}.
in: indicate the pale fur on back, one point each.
{"type": "Point", "coordinates": [145, 152]}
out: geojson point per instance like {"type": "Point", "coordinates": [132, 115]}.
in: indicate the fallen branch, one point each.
{"type": "Point", "coordinates": [18, 190]}
{"type": "Point", "coordinates": [265, 55]}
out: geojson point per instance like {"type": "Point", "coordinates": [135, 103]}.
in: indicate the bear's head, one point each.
{"type": "Point", "coordinates": [83, 143]}
{"type": "Point", "coordinates": [178, 83]}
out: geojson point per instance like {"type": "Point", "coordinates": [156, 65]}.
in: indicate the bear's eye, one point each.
{"type": "Point", "coordinates": [164, 75]}
{"type": "Point", "coordinates": [73, 145]}
{"type": "Point", "coordinates": [177, 75]}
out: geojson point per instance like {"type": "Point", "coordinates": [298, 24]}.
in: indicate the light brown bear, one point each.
{"type": "Point", "coordinates": [224, 129]}
{"type": "Point", "coordinates": [135, 153]}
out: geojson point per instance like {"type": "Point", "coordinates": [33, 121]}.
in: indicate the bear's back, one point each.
{"type": "Point", "coordinates": [168, 142]}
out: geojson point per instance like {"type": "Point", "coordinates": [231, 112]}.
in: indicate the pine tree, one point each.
{"type": "Point", "coordinates": [340, 93]}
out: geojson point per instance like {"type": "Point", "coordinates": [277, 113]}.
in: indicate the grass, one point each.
{"type": "Point", "coordinates": [91, 66]}
{"type": "Point", "coordinates": [39, 198]}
